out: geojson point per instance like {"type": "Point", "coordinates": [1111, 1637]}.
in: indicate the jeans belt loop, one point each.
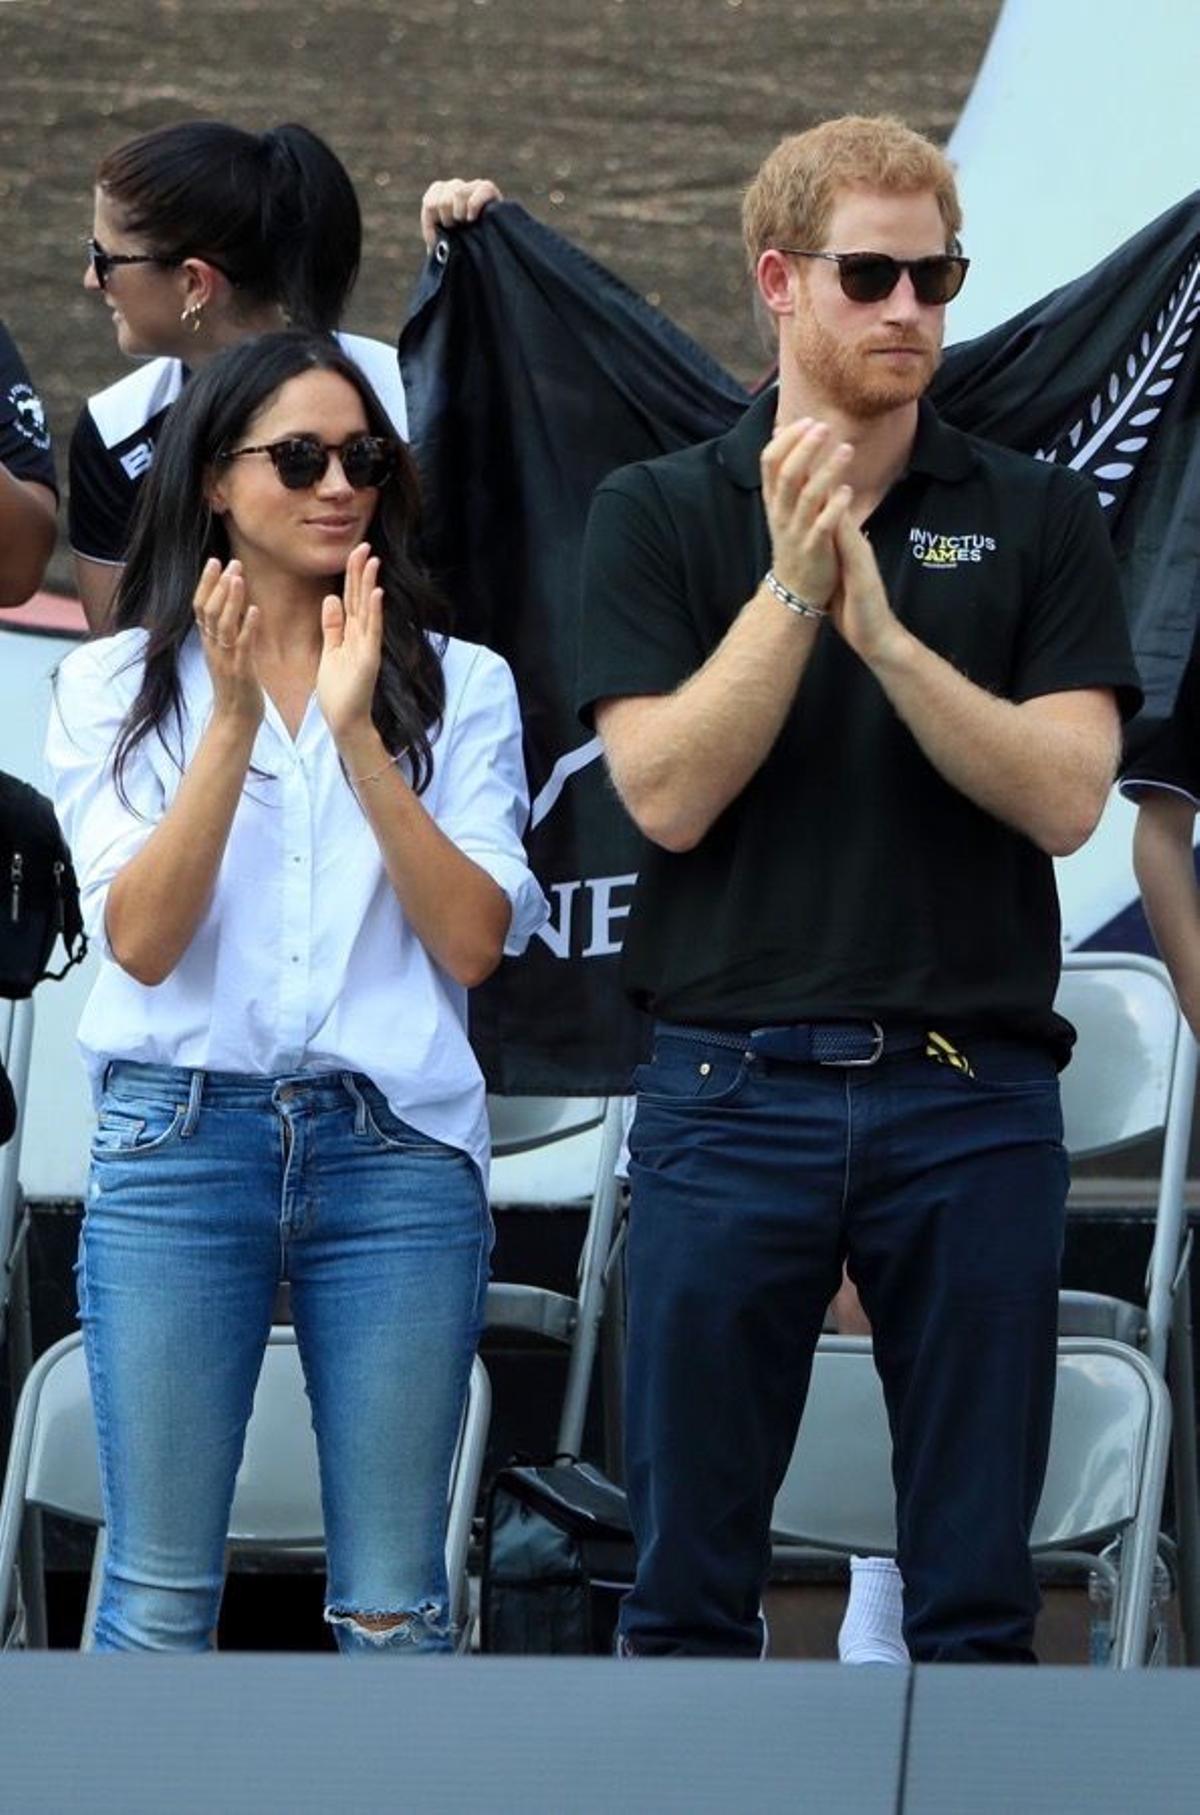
{"type": "Point", "coordinates": [195, 1094]}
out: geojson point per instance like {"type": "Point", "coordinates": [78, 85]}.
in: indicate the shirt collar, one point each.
{"type": "Point", "coordinates": [941, 451]}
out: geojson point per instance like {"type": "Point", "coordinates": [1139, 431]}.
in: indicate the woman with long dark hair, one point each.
{"type": "Point", "coordinates": [295, 806]}
{"type": "Point", "coordinates": [203, 234]}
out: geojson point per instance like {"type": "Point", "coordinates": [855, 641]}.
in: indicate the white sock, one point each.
{"type": "Point", "coordinates": [872, 1627]}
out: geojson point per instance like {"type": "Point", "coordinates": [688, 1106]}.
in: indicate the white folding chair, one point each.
{"type": "Point", "coordinates": [1133, 1077]}
{"type": "Point", "coordinates": [53, 1467]}
{"type": "Point", "coordinates": [557, 1151]}
{"type": "Point", "coordinates": [1105, 1479]}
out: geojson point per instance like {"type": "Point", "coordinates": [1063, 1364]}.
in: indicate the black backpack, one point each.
{"type": "Point", "coordinates": [39, 896]}
{"type": "Point", "coordinates": [558, 1556]}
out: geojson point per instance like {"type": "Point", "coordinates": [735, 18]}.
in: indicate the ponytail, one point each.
{"type": "Point", "coordinates": [310, 218]}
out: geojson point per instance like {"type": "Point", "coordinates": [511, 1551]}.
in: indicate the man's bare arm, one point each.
{"type": "Point", "coordinates": [1043, 766]}
{"type": "Point", "coordinates": [679, 759]}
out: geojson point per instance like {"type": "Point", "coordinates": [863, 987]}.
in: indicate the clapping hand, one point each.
{"type": "Point", "coordinates": [805, 496]}
{"type": "Point", "coordinates": [229, 632]}
{"type": "Point", "coordinates": [352, 631]}
{"type": "Point", "coordinates": [859, 608]}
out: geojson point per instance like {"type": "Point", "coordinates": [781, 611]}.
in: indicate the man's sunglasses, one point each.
{"type": "Point", "coordinates": [303, 460]}
{"type": "Point", "coordinates": [867, 277]}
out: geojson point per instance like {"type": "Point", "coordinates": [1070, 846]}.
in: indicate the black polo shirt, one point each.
{"type": "Point", "coordinates": [848, 878]}
{"type": "Point", "coordinates": [1171, 761]}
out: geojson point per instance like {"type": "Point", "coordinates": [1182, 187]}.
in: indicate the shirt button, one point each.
{"type": "Point", "coordinates": [295, 957]}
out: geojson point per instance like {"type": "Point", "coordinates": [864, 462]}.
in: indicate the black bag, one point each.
{"type": "Point", "coordinates": [558, 1556]}
{"type": "Point", "coordinates": [39, 897]}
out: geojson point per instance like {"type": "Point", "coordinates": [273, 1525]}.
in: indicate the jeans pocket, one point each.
{"type": "Point", "coordinates": [690, 1073]}
{"type": "Point", "coordinates": [129, 1128]}
{"type": "Point", "coordinates": [378, 1122]}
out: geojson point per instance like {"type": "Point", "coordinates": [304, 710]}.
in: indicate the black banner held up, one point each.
{"type": "Point", "coordinates": [531, 372]}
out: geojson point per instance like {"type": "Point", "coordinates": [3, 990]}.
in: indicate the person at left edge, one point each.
{"type": "Point", "coordinates": [295, 806]}
{"type": "Point", "coordinates": [28, 488]}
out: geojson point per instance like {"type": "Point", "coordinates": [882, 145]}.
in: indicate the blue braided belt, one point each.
{"type": "Point", "coordinates": [808, 1042]}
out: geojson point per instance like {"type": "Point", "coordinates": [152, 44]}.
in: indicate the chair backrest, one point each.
{"type": "Point", "coordinates": [558, 1151]}
{"type": "Point", "coordinates": [544, 1149]}
{"type": "Point", "coordinates": [1133, 1074]}
{"type": "Point", "coordinates": [1108, 1417]}
{"type": "Point", "coordinates": [1118, 1087]}
{"type": "Point", "coordinates": [277, 1499]}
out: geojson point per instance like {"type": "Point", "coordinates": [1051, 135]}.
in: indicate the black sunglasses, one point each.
{"type": "Point", "coordinates": [302, 460]}
{"type": "Point", "coordinates": [868, 277]}
{"type": "Point", "coordinates": [102, 262]}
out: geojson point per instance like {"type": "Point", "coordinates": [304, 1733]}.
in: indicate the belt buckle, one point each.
{"type": "Point", "coordinates": [858, 1064]}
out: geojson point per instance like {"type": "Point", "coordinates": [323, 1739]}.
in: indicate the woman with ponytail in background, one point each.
{"type": "Point", "coordinates": [203, 234]}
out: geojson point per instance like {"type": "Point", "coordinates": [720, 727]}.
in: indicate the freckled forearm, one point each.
{"type": "Point", "coordinates": [679, 759]}
{"type": "Point", "coordinates": [1047, 780]}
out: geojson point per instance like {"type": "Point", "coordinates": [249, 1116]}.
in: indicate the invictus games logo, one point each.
{"type": "Point", "coordinates": [932, 549]}
{"type": "Point", "coordinates": [27, 415]}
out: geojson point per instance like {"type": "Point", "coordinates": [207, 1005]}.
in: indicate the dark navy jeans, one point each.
{"type": "Point", "coordinates": [752, 1180]}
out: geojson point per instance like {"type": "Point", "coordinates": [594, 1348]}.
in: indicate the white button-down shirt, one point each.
{"type": "Point", "coordinates": [303, 960]}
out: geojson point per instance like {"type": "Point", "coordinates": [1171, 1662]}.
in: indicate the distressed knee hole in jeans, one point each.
{"type": "Point", "coordinates": [424, 1628]}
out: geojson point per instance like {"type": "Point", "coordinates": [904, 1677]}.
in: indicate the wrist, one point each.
{"type": "Point", "coordinates": [890, 650]}
{"type": "Point", "coordinates": [797, 602]}
{"type": "Point", "coordinates": [359, 745]}
{"type": "Point", "coordinates": [233, 730]}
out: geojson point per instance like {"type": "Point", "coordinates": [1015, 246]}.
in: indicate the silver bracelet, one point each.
{"type": "Point", "coordinates": [802, 607]}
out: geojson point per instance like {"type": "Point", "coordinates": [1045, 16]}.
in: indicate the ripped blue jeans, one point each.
{"type": "Point", "coordinates": [206, 1190]}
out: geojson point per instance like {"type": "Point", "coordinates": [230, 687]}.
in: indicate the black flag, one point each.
{"type": "Point", "coordinates": [1104, 375]}
{"type": "Point", "coordinates": [531, 372]}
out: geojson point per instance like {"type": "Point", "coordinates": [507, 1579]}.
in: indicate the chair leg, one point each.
{"type": "Point", "coordinates": [95, 1581]}
{"type": "Point", "coordinates": [31, 1560]}
{"type": "Point", "coordinates": [31, 1566]}
{"type": "Point", "coordinates": [1181, 1379]}
{"type": "Point", "coordinates": [612, 1374]}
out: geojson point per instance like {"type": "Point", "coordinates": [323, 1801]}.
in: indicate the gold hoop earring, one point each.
{"type": "Point", "coordinates": [192, 315]}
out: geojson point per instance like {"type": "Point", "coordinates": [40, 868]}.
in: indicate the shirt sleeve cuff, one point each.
{"type": "Point", "coordinates": [529, 906]}
{"type": "Point", "coordinates": [1133, 785]}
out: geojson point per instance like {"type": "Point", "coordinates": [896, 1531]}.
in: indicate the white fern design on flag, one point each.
{"type": "Point", "coordinates": [1113, 431]}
